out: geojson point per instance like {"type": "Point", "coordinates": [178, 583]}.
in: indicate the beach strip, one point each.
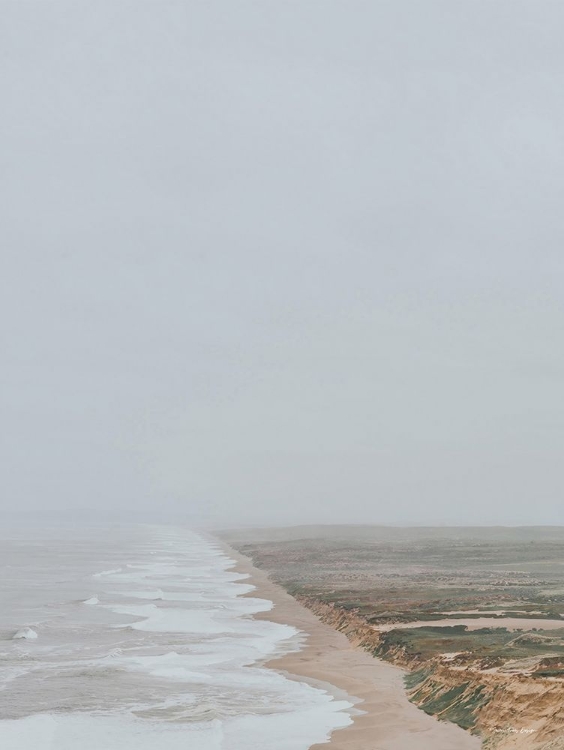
{"type": "Point", "coordinates": [328, 660]}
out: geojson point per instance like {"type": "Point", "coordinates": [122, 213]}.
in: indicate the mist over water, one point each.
{"type": "Point", "coordinates": [144, 640]}
{"type": "Point", "coordinates": [262, 264]}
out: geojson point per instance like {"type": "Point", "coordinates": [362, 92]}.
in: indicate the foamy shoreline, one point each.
{"type": "Point", "coordinates": [386, 720]}
{"type": "Point", "coordinates": [157, 620]}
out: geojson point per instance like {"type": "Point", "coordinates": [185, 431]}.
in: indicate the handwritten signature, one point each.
{"type": "Point", "coordinates": [513, 730]}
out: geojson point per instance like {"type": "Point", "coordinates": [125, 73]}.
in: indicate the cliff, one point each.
{"type": "Point", "coordinates": [509, 707]}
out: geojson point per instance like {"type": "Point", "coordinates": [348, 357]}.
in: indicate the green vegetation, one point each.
{"type": "Point", "coordinates": [426, 642]}
{"type": "Point", "coordinates": [391, 575]}
{"type": "Point", "coordinates": [459, 704]}
{"type": "Point", "coordinates": [413, 679]}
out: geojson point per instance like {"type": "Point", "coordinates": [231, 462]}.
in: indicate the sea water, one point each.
{"type": "Point", "coordinates": [141, 639]}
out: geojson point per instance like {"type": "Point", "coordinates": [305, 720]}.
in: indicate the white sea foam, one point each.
{"type": "Point", "coordinates": [103, 573]}
{"type": "Point", "coordinates": [180, 620]}
{"type": "Point", "coordinates": [25, 633]}
{"type": "Point", "coordinates": [298, 730]}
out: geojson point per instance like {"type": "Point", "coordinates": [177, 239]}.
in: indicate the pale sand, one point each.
{"type": "Point", "coordinates": [475, 623]}
{"type": "Point", "coordinates": [390, 721]}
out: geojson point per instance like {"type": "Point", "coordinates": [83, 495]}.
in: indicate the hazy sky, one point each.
{"type": "Point", "coordinates": [283, 261]}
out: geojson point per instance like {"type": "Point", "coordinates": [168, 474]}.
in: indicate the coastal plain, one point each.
{"type": "Point", "coordinates": [385, 719]}
{"type": "Point", "coordinates": [474, 617]}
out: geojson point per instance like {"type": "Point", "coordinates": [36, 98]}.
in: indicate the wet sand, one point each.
{"type": "Point", "coordinates": [389, 721]}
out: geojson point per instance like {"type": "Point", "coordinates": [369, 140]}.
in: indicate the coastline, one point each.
{"type": "Point", "coordinates": [385, 719]}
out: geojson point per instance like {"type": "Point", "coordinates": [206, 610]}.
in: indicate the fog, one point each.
{"type": "Point", "coordinates": [294, 262]}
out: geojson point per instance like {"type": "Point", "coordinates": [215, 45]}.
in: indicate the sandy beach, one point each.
{"type": "Point", "coordinates": [389, 721]}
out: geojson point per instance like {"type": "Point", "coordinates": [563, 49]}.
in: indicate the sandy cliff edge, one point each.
{"type": "Point", "coordinates": [388, 720]}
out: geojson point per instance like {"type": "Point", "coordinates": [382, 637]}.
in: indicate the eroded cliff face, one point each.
{"type": "Point", "coordinates": [508, 709]}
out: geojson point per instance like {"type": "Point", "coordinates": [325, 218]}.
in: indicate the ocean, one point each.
{"type": "Point", "coordinates": [143, 638]}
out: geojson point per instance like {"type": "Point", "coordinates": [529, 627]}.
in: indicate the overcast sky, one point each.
{"type": "Point", "coordinates": [283, 262]}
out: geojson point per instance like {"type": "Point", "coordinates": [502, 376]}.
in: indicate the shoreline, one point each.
{"type": "Point", "coordinates": [383, 717]}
